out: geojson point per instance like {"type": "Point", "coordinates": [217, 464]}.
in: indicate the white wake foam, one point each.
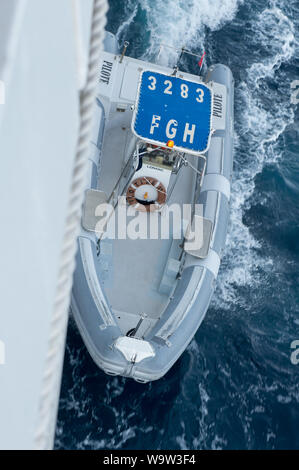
{"type": "Point", "coordinates": [126, 24]}
{"type": "Point", "coordinates": [263, 119]}
{"type": "Point", "coordinates": [179, 23]}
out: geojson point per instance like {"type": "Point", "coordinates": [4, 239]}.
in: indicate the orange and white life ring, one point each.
{"type": "Point", "coordinates": [146, 194]}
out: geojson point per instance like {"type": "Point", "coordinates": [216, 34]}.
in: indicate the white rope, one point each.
{"type": "Point", "coordinates": [48, 405]}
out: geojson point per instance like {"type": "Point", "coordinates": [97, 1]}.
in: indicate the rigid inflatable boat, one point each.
{"type": "Point", "coordinates": [155, 214]}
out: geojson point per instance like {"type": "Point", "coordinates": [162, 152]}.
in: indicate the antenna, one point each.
{"type": "Point", "coordinates": [126, 45]}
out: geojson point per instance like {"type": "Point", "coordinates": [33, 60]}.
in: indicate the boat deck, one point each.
{"type": "Point", "coordinates": [132, 270]}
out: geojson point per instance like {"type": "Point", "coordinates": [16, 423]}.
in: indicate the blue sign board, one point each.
{"type": "Point", "coordinates": [172, 108]}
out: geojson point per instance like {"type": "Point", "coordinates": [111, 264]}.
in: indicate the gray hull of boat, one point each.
{"type": "Point", "coordinates": [190, 300]}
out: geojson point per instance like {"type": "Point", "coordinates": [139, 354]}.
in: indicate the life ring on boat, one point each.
{"type": "Point", "coordinates": [146, 194]}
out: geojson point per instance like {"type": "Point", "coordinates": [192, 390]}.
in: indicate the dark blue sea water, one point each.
{"type": "Point", "coordinates": [235, 386]}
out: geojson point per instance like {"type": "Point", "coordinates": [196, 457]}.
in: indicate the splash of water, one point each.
{"type": "Point", "coordinates": [178, 23]}
{"type": "Point", "coordinates": [258, 130]}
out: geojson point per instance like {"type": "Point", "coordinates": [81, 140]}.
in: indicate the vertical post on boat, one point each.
{"type": "Point", "coordinates": [181, 55]}
{"type": "Point", "coordinates": [176, 68]}
{"type": "Point", "coordinates": [126, 45]}
{"type": "Point", "coordinates": [200, 63]}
